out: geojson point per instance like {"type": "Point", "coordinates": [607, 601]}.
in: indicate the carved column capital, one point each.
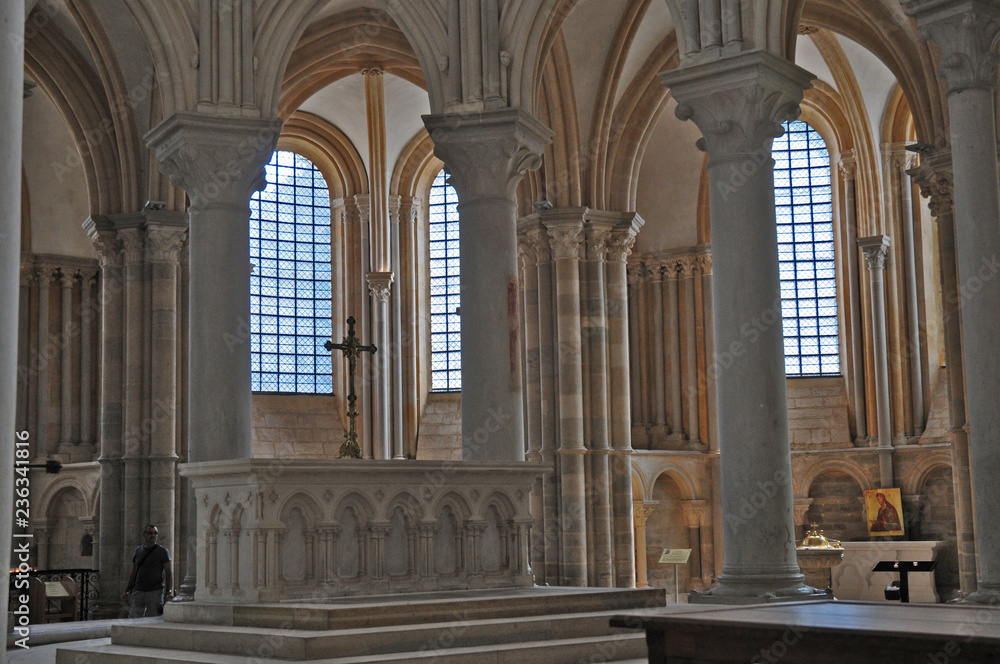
{"type": "Point", "coordinates": [635, 271]}
{"type": "Point", "coordinates": [488, 153]}
{"type": "Point", "coordinates": [44, 274]}
{"type": "Point", "coordinates": [964, 31]}
{"type": "Point", "coordinates": [362, 209]}
{"type": "Point", "coordinates": [380, 285]}
{"type": "Point", "coordinates": [133, 245]}
{"type": "Point", "coordinates": [801, 506]}
{"type": "Point", "coordinates": [694, 512]}
{"type": "Point", "coordinates": [848, 165]}
{"type": "Point", "coordinates": [934, 177]}
{"type": "Point", "coordinates": [688, 266]}
{"type": "Point", "coordinates": [164, 244]}
{"type": "Point", "coordinates": [88, 277]}
{"type": "Point", "coordinates": [620, 244]}
{"type": "Point", "coordinates": [705, 264]}
{"type": "Point", "coordinates": [875, 250]}
{"type": "Point", "coordinates": [67, 277]}
{"type": "Point", "coordinates": [219, 161]}
{"type": "Point", "coordinates": [102, 233]}
{"type": "Point", "coordinates": [565, 241]}
{"type": "Point", "coordinates": [597, 242]}
{"type": "Point", "coordinates": [740, 102]}
{"type": "Point", "coordinates": [640, 513]}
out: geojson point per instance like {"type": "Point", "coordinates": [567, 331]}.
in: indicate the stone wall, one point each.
{"type": "Point", "coordinates": [297, 426]}
{"type": "Point", "coordinates": [440, 435]}
{"type": "Point", "coordinates": [817, 413]}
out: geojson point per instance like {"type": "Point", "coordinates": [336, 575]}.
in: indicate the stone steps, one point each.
{"type": "Point", "coordinates": [506, 627]}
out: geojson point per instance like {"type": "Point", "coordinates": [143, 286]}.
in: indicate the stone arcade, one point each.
{"type": "Point", "coordinates": [673, 334]}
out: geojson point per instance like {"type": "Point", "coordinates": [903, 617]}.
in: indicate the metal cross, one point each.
{"type": "Point", "coordinates": [352, 350]}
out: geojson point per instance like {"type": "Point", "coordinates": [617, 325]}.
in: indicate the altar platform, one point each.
{"type": "Point", "coordinates": [822, 632]}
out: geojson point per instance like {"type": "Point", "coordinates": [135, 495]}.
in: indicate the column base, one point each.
{"type": "Point", "coordinates": [758, 589]}
{"type": "Point", "coordinates": [984, 596]}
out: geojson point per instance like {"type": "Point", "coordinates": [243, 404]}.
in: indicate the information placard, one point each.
{"type": "Point", "coordinates": [675, 556]}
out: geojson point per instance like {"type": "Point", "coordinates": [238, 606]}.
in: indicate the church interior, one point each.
{"type": "Point", "coordinates": [626, 276]}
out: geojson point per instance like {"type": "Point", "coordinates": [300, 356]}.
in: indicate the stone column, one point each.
{"type": "Point", "coordinates": [659, 432]}
{"type": "Point", "coordinates": [619, 246]}
{"type": "Point", "coordinates": [533, 412]}
{"type": "Point", "coordinates": [875, 249]}
{"type": "Point", "coordinates": [966, 32]}
{"type": "Point", "coordinates": [43, 445]}
{"type": "Point", "coordinates": [739, 103]}
{"type": "Point", "coordinates": [67, 278]}
{"type": "Point", "coordinates": [852, 281]}
{"type": "Point", "coordinates": [24, 365]}
{"type": "Point", "coordinates": [935, 180]}
{"type": "Point", "coordinates": [705, 265]}
{"type": "Point", "coordinates": [379, 287]}
{"type": "Point", "coordinates": [899, 161]}
{"type": "Point", "coordinates": [549, 403]}
{"type": "Point", "coordinates": [565, 238]}
{"type": "Point", "coordinates": [163, 247]}
{"type": "Point", "coordinates": [633, 271]}
{"type": "Point", "coordinates": [110, 557]}
{"type": "Point", "coordinates": [688, 268]}
{"type": "Point", "coordinates": [135, 437]}
{"type": "Point", "coordinates": [88, 311]}
{"type": "Point", "coordinates": [674, 326]}
{"type": "Point", "coordinates": [640, 513]}
{"type": "Point", "coordinates": [396, 356]}
{"type": "Point", "coordinates": [693, 511]}
{"type": "Point", "coordinates": [487, 154]}
{"type": "Point", "coordinates": [11, 110]}
{"type": "Point", "coordinates": [219, 161]}
{"type": "Point", "coordinates": [599, 491]}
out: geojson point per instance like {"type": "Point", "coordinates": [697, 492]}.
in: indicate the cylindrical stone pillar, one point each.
{"type": "Point", "coordinates": [935, 179]}
{"type": "Point", "coordinates": [599, 491]}
{"type": "Point", "coordinates": [633, 345]}
{"type": "Point", "coordinates": [912, 303]}
{"type": "Point", "coordinates": [565, 237]}
{"type": "Point", "coordinates": [67, 279]}
{"type": "Point", "coordinates": [966, 34]}
{"type": "Point", "coordinates": [43, 445]}
{"type": "Point", "coordinates": [705, 263]}
{"type": "Point", "coordinates": [110, 560]}
{"type": "Point", "coordinates": [163, 246]}
{"type": "Point", "coordinates": [689, 267]}
{"type": "Point", "coordinates": [659, 368]}
{"type": "Point", "coordinates": [88, 312]}
{"type": "Point", "coordinates": [739, 102]}
{"type": "Point", "coordinates": [848, 166]}
{"type": "Point", "coordinates": [640, 514]}
{"type": "Point", "coordinates": [487, 153]}
{"type": "Point", "coordinates": [395, 358]}
{"type": "Point", "coordinates": [875, 249]}
{"type": "Point", "coordinates": [379, 287]}
{"type": "Point", "coordinates": [674, 328]}
{"type": "Point", "coordinates": [11, 110]}
{"type": "Point", "coordinates": [619, 246]}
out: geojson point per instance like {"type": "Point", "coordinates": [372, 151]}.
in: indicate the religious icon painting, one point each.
{"type": "Point", "coordinates": [885, 512]}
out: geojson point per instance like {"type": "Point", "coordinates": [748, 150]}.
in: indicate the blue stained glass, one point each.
{"type": "Point", "coordinates": [290, 291]}
{"type": "Point", "coordinates": [802, 191]}
{"type": "Point", "coordinates": [446, 367]}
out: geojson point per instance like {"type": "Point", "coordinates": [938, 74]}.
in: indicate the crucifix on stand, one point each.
{"type": "Point", "coordinates": [352, 350]}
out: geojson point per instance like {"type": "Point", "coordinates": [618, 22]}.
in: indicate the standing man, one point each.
{"type": "Point", "coordinates": [151, 572]}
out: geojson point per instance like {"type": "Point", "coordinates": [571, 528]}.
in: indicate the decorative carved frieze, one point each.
{"type": "Point", "coordinates": [965, 32]}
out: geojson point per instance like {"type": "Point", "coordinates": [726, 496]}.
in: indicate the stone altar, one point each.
{"type": "Point", "coordinates": [273, 529]}
{"type": "Point", "coordinates": [854, 579]}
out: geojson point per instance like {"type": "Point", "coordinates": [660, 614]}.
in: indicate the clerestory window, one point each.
{"type": "Point", "coordinates": [446, 327]}
{"type": "Point", "coordinates": [290, 306]}
{"type": "Point", "coordinates": [804, 210]}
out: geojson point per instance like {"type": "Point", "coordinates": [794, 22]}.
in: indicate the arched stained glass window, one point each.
{"type": "Point", "coordinates": [446, 328]}
{"type": "Point", "coordinates": [804, 209]}
{"type": "Point", "coordinates": [290, 307]}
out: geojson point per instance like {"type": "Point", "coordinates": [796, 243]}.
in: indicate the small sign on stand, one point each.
{"type": "Point", "coordinates": [675, 557]}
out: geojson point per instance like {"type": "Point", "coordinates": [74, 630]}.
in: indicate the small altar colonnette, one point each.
{"type": "Point", "coordinates": [273, 529]}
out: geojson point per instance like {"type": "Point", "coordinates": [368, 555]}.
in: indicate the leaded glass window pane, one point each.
{"type": "Point", "coordinates": [290, 285]}
{"type": "Point", "coordinates": [446, 345]}
{"type": "Point", "coordinates": [804, 206]}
